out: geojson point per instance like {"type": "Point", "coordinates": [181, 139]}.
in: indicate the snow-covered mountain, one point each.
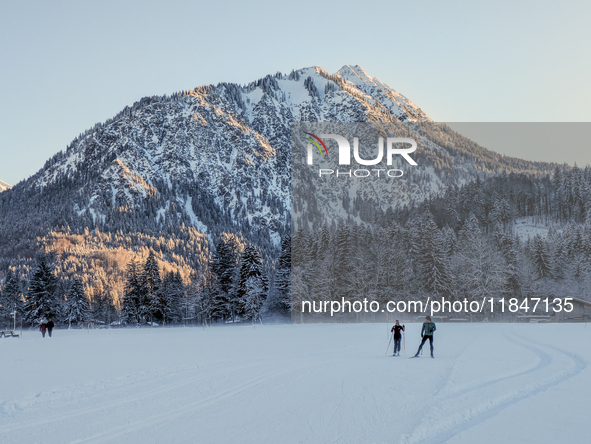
{"type": "Point", "coordinates": [217, 158]}
{"type": "Point", "coordinates": [4, 186]}
{"type": "Point", "coordinates": [226, 144]}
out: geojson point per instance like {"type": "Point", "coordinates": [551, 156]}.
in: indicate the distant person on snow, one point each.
{"type": "Point", "coordinates": [42, 328]}
{"type": "Point", "coordinates": [397, 337]}
{"type": "Point", "coordinates": [50, 326]}
{"type": "Point", "coordinates": [427, 333]}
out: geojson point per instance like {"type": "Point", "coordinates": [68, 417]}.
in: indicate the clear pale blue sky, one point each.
{"type": "Point", "coordinates": [66, 65]}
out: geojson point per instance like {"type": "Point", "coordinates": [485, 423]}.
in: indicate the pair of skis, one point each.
{"type": "Point", "coordinates": [404, 340]}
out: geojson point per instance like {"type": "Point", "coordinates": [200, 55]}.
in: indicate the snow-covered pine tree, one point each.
{"type": "Point", "coordinates": [399, 274]}
{"type": "Point", "coordinates": [541, 259]}
{"type": "Point", "coordinates": [283, 275]}
{"type": "Point", "coordinates": [299, 292]}
{"type": "Point", "coordinates": [556, 254]}
{"type": "Point", "coordinates": [225, 266]}
{"type": "Point", "coordinates": [433, 262]}
{"type": "Point", "coordinates": [41, 302]}
{"type": "Point", "coordinates": [480, 268]}
{"type": "Point", "coordinates": [449, 240]}
{"type": "Point", "coordinates": [342, 252]}
{"type": "Point", "coordinates": [132, 298]}
{"type": "Point", "coordinates": [202, 302]}
{"type": "Point", "coordinates": [253, 285]}
{"type": "Point", "coordinates": [218, 303]}
{"type": "Point", "coordinates": [501, 213]}
{"type": "Point", "coordinates": [153, 305]}
{"type": "Point", "coordinates": [10, 299]}
{"type": "Point", "coordinates": [173, 295]}
{"type": "Point", "coordinates": [296, 248]}
{"type": "Point", "coordinates": [509, 249]}
{"type": "Point", "coordinates": [378, 259]}
{"type": "Point", "coordinates": [77, 309]}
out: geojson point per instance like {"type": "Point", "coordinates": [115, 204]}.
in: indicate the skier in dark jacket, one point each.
{"type": "Point", "coordinates": [42, 328]}
{"type": "Point", "coordinates": [427, 333]}
{"type": "Point", "coordinates": [50, 326]}
{"type": "Point", "coordinates": [397, 337]}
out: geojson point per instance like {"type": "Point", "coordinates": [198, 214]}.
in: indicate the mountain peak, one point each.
{"type": "Point", "coordinates": [4, 186]}
{"type": "Point", "coordinates": [348, 71]}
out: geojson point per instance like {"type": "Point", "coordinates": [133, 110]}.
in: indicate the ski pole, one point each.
{"type": "Point", "coordinates": [404, 341]}
{"type": "Point", "coordinates": [389, 344]}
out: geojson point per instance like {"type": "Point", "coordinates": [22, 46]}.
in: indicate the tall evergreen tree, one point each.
{"type": "Point", "coordinates": [253, 286]}
{"type": "Point", "coordinates": [432, 259]}
{"type": "Point", "coordinates": [133, 296]}
{"type": "Point", "coordinates": [509, 250]}
{"type": "Point", "coordinates": [541, 258]}
{"type": "Point", "coordinates": [283, 274]}
{"type": "Point", "coordinates": [173, 295]}
{"type": "Point", "coordinates": [153, 302]}
{"type": "Point", "coordinates": [11, 300]}
{"type": "Point", "coordinates": [225, 265]}
{"type": "Point", "coordinates": [77, 308]}
{"type": "Point", "coordinates": [217, 302]}
{"type": "Point", "coordinates": [480, 267]}
{"type": "Point", "coordinates": [42, 302]}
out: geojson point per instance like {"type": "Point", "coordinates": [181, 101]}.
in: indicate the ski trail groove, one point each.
{"type": "Point", "coordinates": [450, 426]}
{"type": "Point", "coordinates": [106, 405]}
{"type": "Point", "coordinates": [159, 419]}
{"type": "Point", "coordinates": [545, 361]}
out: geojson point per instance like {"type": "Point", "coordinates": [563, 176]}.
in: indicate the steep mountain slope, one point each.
{"type": "Point", "coordinates": [217, 158]}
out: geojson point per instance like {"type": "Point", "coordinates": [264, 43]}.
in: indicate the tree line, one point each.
{"type": "Point", "coordinates": [234, 287]}
{"type": "Point", "coordinates": [462, 244]}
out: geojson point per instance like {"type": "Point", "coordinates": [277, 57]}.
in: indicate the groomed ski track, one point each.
{"type": "Point", "coordinates": [296, 384]}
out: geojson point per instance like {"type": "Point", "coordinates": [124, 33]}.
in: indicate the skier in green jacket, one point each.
{"type": "Point", "coordinates": [427, 333]}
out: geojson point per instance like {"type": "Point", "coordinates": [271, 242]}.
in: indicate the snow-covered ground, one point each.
{"type": "Point", "coordinates": [331, 383]}
{"type": "Point", "coordinates": [527, 228]}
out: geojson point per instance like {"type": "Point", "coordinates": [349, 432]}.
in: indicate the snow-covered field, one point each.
{"type": "Point", "coordinates": [527, 228]}
{"type": "Point", "coordinates": [489, 383]}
